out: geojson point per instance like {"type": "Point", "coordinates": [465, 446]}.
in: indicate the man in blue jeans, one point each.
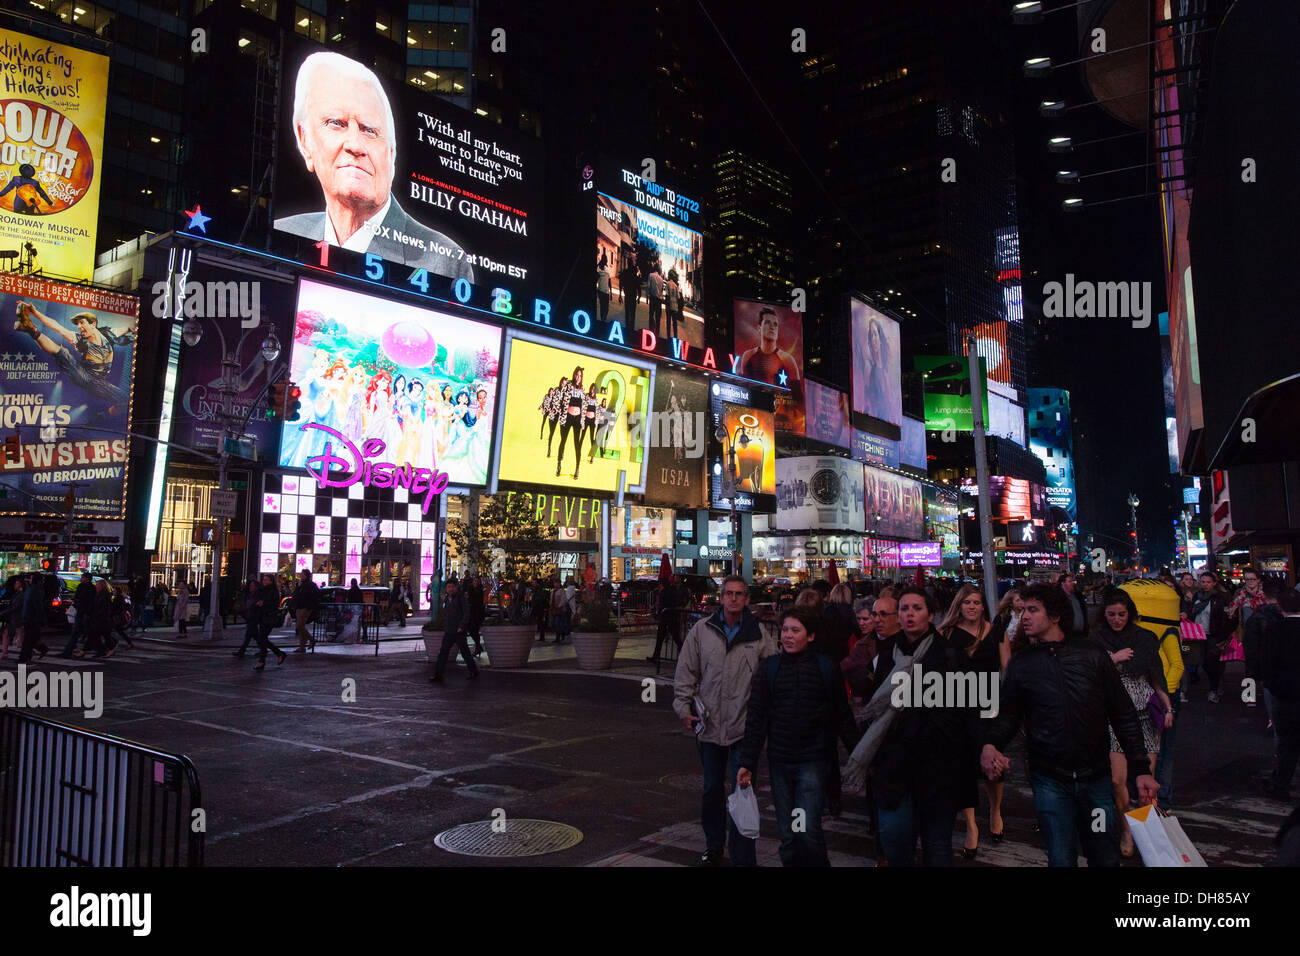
{"type": "Point", "coordinates": [711, 696]}
{"type": "Point", "coordinates": [797, 707]}
{"type": "Point", "coordinates": [1065, 692]}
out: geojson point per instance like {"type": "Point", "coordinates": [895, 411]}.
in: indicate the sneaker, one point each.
{"type": "Point", "coordinates": [1213, 698]}
{"type": "Point", "coordinates": [710, 858]}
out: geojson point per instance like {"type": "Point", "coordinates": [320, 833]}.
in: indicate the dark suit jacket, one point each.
{"type": "Point", "coordinates": [448, 261]}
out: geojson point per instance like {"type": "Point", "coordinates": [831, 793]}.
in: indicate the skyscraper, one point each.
{"type": "Point", "coordinates": [753, 211]}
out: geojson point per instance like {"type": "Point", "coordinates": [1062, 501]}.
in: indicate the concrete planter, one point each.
{"type": "Point", "coordinates": [508, 645]}
{"type": "Point", "coordinates": [595, 649]}
{"type": "Point", "coordinates": [432, 642]}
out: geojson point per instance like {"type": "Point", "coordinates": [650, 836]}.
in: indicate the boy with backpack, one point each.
{"type": "Point", "coordinates": [798, 707]}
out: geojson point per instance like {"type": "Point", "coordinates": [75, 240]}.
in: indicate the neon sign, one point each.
{"type": "Point", "coordinates": [385, 474]}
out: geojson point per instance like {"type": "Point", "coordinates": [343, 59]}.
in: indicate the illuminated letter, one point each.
{"type": "Point", "coordinates": [542, 311]}
{"type": "Point", "coordinates": [616, 332]}
{"type": "Point", "coordinates": [708, 359]}
{"type": "Point", "coordinates": [648, 340]}
{"type": "Point", "coordinates": [581, 322]}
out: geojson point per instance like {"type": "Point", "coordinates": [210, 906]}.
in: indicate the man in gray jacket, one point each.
{"type": "Point", "coordinates": [711, 696]}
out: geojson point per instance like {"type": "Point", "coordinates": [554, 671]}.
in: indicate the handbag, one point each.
{"type": "Point", "coordinates": [743, 807]}
{"type": "Point", "coordinates": [1160, 838]}
{"type": "Point", "coordinates": [1191, 631]}
{"type": "Point", "coordinates": [1156, 711]}
{"type": "Point", "coordinates": [1234, 650]}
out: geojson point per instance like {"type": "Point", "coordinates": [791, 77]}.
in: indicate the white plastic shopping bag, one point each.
{"type": "Point", "coordinates": [743, 807]}
{"type": "Point", "coordinates": [1160, 839]}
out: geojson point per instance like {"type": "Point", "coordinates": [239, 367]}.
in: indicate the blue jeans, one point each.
{"type": "Point", "coordinates": [720, 766]}
{"type": "Point", "coordinates": [899, 828]}
{"type": "Point", "coordinates": [1164, 769]}
{"type": "Point", "coordinates": [800, 786]}
{"type": "Point", "coordinates": [1065, 816]}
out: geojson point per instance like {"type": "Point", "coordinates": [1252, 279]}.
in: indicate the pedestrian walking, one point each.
{"type": "Point", "coordinates": [1066, 694]}
{"type": "Point", "coordinates": [918, 755]}
{"type": "Point", "coordinates": [261, 612]}
{"type": "Point", "coordinates": [654, 290]}
{"type": "Point", "coordinates": [455, 622]}
{"type": "Point", "coordinates": [541, 607]}
{"type": "Point", "coordinates": [34, 611]}
{"type": "Point", "coordinates": [205, 599]}
{"type": "Point", "coordinates": [12, 603]}
{"type": "Point", "coordinates": [119, 614]}
{"type": "Point", "coordinates": [1210, 611]}
{"type": "Point", "coordinates": [672, 298]}
{"type": "Point", "coordinates": [1079, 614]}
{"type": "Point", "coordinates": [669, 617]}
{"type": "Point", "coordinates": [141, 612]}
{"type": "Point", "coordinates": [797, 708]}
{"type": "Point", "coordinates": [306, 601]}
{"type": "Point", "coordinates": [561, 613]}
{"type": "Point", "coordinates": [711, 691]}
{"type": "Point", "coordinates": [1252, 636]}
{"type": "Point", "coordinates": [83, 606]}
{"type": "Point", "coordinates": [969, 630]}
{"type": "Point", "coordinates": [1134, 652]}
{"type": "Point", "coordinates": [181, 613]}
{"type": "Point", "coordinates": [476, 599]}
{"type": "Point", "coordinates": [1279, 672]}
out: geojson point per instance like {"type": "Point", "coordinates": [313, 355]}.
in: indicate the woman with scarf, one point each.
{"type": "Point", "coordinates": [918, 755]}
{"type": "Point", "coordinates": [1135, 653]}
{"type": "Point", "coordinates": [967, 629]}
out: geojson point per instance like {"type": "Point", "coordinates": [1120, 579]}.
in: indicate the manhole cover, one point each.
{"type": "Point", "coordinates": [520, 838]}
{"type": "Point", "coordinates": [684, 781]}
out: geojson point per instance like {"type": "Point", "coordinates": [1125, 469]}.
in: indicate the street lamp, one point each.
{"type": "Point", "coordinates": [192, 334]}
{"type": "Point", "coordinates": [1133, 514]}
{"type": "Point", "coordinates": [738, 439]}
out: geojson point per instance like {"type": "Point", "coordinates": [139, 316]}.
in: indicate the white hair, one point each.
{"type": "Point", "coordinates": [338, 63]}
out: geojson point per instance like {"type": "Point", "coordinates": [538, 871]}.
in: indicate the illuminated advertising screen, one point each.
{"type": "Point", "coordinates": [874, 450]}
{"type": "Point", "coordinates": [649, 254]}
{"type": "Point", "coordinates": [947, 391]}
{"type": "Point", "coordinates": [814, 493]}
{"type": "Point", "coordinates": [381, 168]}
{"type": "Point", "coordinates": [876, 365]}
{"type": "Point", "coordinates": [926, 554]}
{"type": "Point", "coordinates": [893, 505]}
{"type": "Point", "coordinates": [572, 418]}
{"type": "Point", "coordinates": [827, 417]}
{"type": "Point", "coordinates": [678, 434]}
{"type": "Point", "coordinates": [51, 149]}
{"type": "Point", "coordinates": [746, 455]}
{"type": "Point", "coordinates": [769, 346]}
{"type": "Point", "coordinates": [67, 360]}
{"type": "Point", "coordinates": [1011, 499]}
{"type": "Point", "coordinates": [226, 302]}
{"type": "Point", "coordinates": [912, 444]}
{"type": "Point", "coordinates": [422, 384]}
{"type": "Point", "coordinates": [1050, 439]}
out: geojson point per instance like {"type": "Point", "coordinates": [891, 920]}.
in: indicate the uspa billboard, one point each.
{"type": "Point", "coordinates": [67, 360]}
{"type": "Point", "coordinates": [678, 433]}
{"type": "Point", "coordinates": [816, 493]}
{"type": "Point", "coordinates": [877, 372]}
{"type": "Point", "coordinates": [51, 149]}
{"type": "Point", "coordinates": [743, 464]}
{"type": "Point", "coordinates": [769, 346]}
{"type": "Point", "coordinates": [423, 383]}
{"type": "Point", "coordinates": [381, 168]}
{"type": "Point", "coordinates": [893, 505]}
{"type": "Point", "coordinates": [573, 418]}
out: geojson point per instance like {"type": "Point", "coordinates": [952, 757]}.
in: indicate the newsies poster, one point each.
{"type": "Point", "coordinates": [67, 360]}
{"type": "Point", "coordinates": [51, 147]}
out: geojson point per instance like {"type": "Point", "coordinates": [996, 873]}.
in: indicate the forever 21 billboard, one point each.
{"type": "Point", "coordinates": [383, 169]}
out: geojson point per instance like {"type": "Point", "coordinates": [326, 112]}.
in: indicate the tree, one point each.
{"type": "Point", "coordinates": [505, 539]}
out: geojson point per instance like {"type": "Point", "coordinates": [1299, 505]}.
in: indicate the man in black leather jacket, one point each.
{"type": "Point", "coordinates": [1065, 691]}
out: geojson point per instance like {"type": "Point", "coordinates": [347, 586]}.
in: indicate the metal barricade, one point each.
{"type": "Point", "coordinates": [334, 622]}
{"type": "Point", "coordinates": [70, 797]}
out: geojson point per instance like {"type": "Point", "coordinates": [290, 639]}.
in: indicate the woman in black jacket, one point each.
{"type": "Point", "coordinates": [1134, 651]}
{"type": "Point", "coordinates": [1209, 609]}
{"type": "Point", "coordinates": [266, 611]}
{"type": "Point", "coordinates": [923, 761]}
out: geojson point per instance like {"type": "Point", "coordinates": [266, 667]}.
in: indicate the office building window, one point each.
{"type": "Point", "coordinates": [309, 24]}
{"type": "Point", "coordinates": [265, 7]}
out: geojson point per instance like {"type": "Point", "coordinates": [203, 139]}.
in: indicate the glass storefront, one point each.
{"type": "Point", "coordinates": [640, 536]}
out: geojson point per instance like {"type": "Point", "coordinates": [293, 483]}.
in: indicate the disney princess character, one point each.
{"type": "Point", "coordinates": [410, 407]}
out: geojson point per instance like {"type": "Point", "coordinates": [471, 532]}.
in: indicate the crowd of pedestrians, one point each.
{"type": "Point", "coordinates": [1093, 688]}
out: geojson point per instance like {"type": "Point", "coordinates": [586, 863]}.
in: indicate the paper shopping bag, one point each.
{"type": "Point", "coordinates": [1153, 834]}
{"type": "Point", "coordinates": [743, 806]}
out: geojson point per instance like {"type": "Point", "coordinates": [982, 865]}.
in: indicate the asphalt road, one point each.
{"type": "Point", "coordinates": [294, 774]}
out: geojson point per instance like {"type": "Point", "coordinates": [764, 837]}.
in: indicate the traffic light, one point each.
{"type": "Point", "coordinates": [13, 448]}
{"type": "Point", "coordinates": [293, 404]}
{"type": "Point", "coordinates": [275, 408]}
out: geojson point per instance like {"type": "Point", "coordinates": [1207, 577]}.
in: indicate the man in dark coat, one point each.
{"type": "Point", "coordinates": [455, 621]}
{"type": "Point", "coordinates": [34, 604]}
